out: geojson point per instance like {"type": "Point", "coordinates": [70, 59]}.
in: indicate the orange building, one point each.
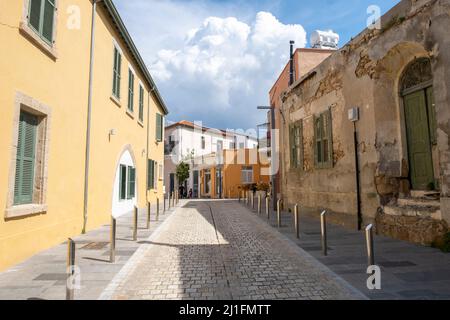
{"type": "Point", "coordinates": [222, 176]}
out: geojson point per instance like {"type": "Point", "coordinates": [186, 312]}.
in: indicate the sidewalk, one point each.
{"type": "Point", "coordinates": [408, 271]}
{"type": "Point", "coordinates": [43, 276]}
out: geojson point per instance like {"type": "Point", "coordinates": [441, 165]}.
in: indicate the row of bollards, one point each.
{"type": "Point", "coordinates": [250, 201]}
{"type": "Point", "coordinates": [71, 245]}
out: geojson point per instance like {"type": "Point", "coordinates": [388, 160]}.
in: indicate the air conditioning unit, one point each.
{"type": "Point", "coordinates": [324, 40]}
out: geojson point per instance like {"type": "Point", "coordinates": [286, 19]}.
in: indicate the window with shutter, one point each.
{"type": "Point", "coordinates": [151, 174]}
{"type": "Point", "coordinates": [117, 72]}
{"type": "Point", "coordinates": [41, 15]}
{"type": "Point", "coordinates": [131, 185]}
{"type": "Point", "coordinates": [159, 127]}
{"type": "Point", "coordinates": [25, 160]}
{"type": "Point", "coordinates": [130, 91]}
{"type": "Point", "coordinates": [123, 182]}
{"type": "Point", "coordinates": [155, 175]}
{"type": "Point", "coordinates": [141, 104]}
{"type": "Point", "coordinates": [323, 140]}
{"type": "Point", "coordinates": [296, 144]}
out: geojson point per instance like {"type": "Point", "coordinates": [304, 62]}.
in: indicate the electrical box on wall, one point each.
{"type": "Point", "coordinates": [353, 114]}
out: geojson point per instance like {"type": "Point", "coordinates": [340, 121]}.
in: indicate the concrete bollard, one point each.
{"type": "Point", "coordinates": [135, 223]}
{"type": "Point", "coordinates": [70, 269]}
{"type": "Point", "coordinates": [323, 228]}
{"type": "Point", "coordinates": [369, 244]}
{"type": "Point", "coordinates": [112, 239]}
{"type": "Point", "coordinates": [297, 221]}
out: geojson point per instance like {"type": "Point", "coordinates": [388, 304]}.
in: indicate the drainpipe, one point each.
{"type": "Point", "coordinates": [291, 63]}
{"type": "Point", "coordinates": [89, 112]}
{"type": "Point", "coordinates": [358, 183]}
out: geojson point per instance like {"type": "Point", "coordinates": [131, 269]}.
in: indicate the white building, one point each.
{"type": "Point", "coordinates": [185, 140]}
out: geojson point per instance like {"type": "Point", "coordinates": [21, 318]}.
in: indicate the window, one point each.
{"type": "Point", "coordinates": [242, 145]}
{"type": "Point", "coordinates": [159, 127]}
{"type": "Point", "coordinates": [130, 91]}
{"type": "Point", "coordinates": [123, 182]}
{"type": "Point", "coordinates": [25, 160]}
{"type": "Point", "coordinates": [203, 143]}
{"type": "Point", "coordinates": [41, 15]}
{"type": "Point", "coordinates": [232, 145]}
{"type": "Point", "coordinates": [117, 72]}
{"type": "Point", "coordinates": [141, 103]}
{"type": "Point", "coordinates": [247, 174]}
{"type": "Point", "coordinates": [323, 140]}
{"type": "Point", "coordinates": [151, 174]}
{"type": "Point", "coordinates": [131, 183]}
{"type": "Point", "coordinates": [296, 144]}
{"type": "Point", "coordinates": [219, 146]}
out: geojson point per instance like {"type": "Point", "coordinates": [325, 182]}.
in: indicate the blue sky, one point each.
{"type": "Point", "coordinates": [215, 61]}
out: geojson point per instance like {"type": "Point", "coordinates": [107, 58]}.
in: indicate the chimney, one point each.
{"type": "Point", "coordinates": [291, 64]}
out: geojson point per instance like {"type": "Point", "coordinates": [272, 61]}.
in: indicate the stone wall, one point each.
{"type": "Point", "coordinates": [366, 73]}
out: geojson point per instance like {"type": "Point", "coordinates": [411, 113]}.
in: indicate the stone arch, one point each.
{"type": "Point", "coordinates": [391, 144]}
{"type": "Point", "coordinates": [125, 157]}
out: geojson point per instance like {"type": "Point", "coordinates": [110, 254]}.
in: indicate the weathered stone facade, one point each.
{"type": "Point", "coordinates": [367, 73]}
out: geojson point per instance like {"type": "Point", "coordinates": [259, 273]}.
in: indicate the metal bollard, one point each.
{"type": "Point", "coordinates": [112, 236]}
{"type": "Point", "coordinates": [253, 200]}
{"type": "Point", "coordinates": [164, 205]}
{"type": "Point", "coordinates": [149, 211]}
{"type": "Point", "coordinates": [369, 243]}
{"type": "Point", "coordinates": [323, 228]}
{"type": "Point", "coordinates": [239, 195]}
{"type": "Point", "coordinates": [70, 269]}
{"type": "Point", "coordinates": [279, 213]}
{"type": "Point", "coordinates": [297, 221]}
{"type": "Point", "coordinates": [157, 209]}
{"type": "Point", "coordinates": [135, 223]}
{"type": "Point", "coordinates": [259, 204]}
{"type": "Point", "coordinates": [268, 207]}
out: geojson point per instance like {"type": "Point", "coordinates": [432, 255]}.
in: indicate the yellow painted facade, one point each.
{"type": "Point", "coordinates": [59, 79]}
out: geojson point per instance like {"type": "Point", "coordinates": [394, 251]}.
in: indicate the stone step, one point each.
{"type": "Point", "coordinates": [419, 202]}
{"type": "Point", "coordinates": [413, 211]}
{"type": "Point", "coordinates": [425, 194]}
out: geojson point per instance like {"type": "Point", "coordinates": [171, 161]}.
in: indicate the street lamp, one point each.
{"type": "Point", "coordinates": [272, 149]}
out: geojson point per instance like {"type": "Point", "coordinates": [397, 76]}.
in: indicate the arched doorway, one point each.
{"type": "Point", "coordinates": [416, 88]}
{"type": "Point", "coordinates": [125, 184]}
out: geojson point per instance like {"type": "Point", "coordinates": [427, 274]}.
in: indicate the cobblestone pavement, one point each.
{"type": "Point", "coordinates": [220, 250]}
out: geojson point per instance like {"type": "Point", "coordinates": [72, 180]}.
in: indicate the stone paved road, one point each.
{"type": "Point", "coordinates": [220, 250]}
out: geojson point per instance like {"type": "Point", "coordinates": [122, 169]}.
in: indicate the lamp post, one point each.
{"type": "Point", "coordinates": [272, 149]}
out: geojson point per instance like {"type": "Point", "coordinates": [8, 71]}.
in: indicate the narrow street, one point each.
{"type": "Point", "coordinates": [220, 250]}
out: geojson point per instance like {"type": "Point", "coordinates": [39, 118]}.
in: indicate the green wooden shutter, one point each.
{"type": "Point", "coordinates": [151, 174]}
{"type": "Point", "coordinates": [34, 14]}
{"type": "Point", "coordinates": [25, 161]}
{"type": "Point", "coordinates": [317, 144]}
{"type": "Point", "coordinates": [41, 17]}
{"type": "Point", "coordinates": [141, 103]}
{"type": "Point", "coordinates": [329, 136]}
{"type": "Point", "coordinates": [47, 21]}
{"type": "Point", "coordinates": [123, 182]}
{"type": "Point", "coordinates": [299, 144]}
{"type": "Point", "coordinates": [159, 129]}
{"type": "Point", "coordinates": [292, 144]}
{"type": "Point", "coordinates": [130, 90]}
{"type": "Point", "coordinates": [117, 73]}
{"type": "Point", "coordinates": [131, 185]}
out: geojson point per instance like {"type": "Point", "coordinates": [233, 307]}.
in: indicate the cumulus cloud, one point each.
{"type": "Point", "coordinates": [225, 68]}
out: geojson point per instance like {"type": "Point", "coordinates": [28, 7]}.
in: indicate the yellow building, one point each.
{"type": "Point", "coordinates": [82, 123]}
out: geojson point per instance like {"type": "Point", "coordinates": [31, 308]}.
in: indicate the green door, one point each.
{"type": "Point", "coordinates": [419, 145]}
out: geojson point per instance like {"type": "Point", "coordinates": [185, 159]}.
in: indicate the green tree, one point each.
{"type": "Point", "coordinates": [182, 172]}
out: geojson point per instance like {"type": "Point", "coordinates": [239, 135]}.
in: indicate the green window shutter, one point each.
{"type": "Point", "coordinates": [159, 127]}
{"type": "Point", "coordinates": [130, 90]}
{"type": "Point", "coordinates": [131, 183]}
{"type": "Point", "coordinates": [123, 182]}
{"type": "Point", "coordinates": [151, 174]}
{"type": "Point", "coordinates": [317, 134]}
{"type": "Point", "coordinates": [292, 145]}
{"type": "Point", "coordinates": [299, 144]}
{"type": "Point", "coordinates": [141, 103]}
{"type": "Point", "coordinates": [117, 72]}
{"type": "Point", "coordinates": [26, 150]}
{"type": "Point", "coordinates": [41, 17]}
{"type": "Point", "coordinates": [328, 145]}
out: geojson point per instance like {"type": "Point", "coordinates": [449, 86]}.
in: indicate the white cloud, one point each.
{"type": "Point", "coordinates": [225, 68]}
